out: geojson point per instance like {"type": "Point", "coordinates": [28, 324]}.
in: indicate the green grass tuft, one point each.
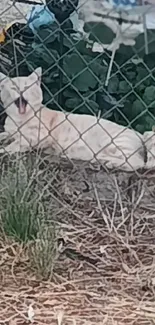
{"type": "Point", "coordinates": [21, 209]}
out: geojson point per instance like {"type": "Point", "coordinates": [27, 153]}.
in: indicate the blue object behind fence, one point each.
{"type": "Point", "coordinates": [39, 16]}
{"type": "Point", "coordinates": [123, 4]}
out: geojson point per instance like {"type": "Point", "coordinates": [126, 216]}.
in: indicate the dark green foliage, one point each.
{"type": "Point", "coordinates": [80, 76]}
{"type": "Point", "coordinates": [99, 32]}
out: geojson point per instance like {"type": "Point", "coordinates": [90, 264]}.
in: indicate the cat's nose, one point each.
{"type": "Point", "coordinates": [21, 103]}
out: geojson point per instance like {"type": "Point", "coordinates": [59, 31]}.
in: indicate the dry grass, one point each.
{"type": "Point", "coordinates": [105, 271]}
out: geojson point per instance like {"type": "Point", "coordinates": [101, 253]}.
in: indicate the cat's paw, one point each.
{"type": "Point", "coordinates": [3, 151]}
{"type": "Point", "coordinates": [14, 148]}
{"type": "Point", "coordinates": [11, 148]}
{"type": "Point", "coordinates": [4, 135]}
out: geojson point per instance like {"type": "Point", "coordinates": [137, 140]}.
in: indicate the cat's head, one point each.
{"type": "Point", "coordinates": [21, 95]}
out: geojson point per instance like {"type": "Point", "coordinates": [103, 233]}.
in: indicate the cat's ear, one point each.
{"type": "Point", "coordinates": [36, 75]}
{"type": "Point", "coordinates": [3, 78]}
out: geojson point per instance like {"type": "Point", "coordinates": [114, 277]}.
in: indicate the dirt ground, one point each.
{"type": "Point", "coordinates": [106, 271]}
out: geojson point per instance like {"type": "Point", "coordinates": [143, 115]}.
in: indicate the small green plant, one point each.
{"type": "Point", "coordinates": [21, 209]}
{"type": "Point", "coordinates": [23, 206]}
{"type": "Point", "coordinates": [44, 251]}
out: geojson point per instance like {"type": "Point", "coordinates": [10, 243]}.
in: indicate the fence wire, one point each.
{"type": "Point", "coordinates": [77, 147]}
{"type": "Point", "coordinates": [92, 63]}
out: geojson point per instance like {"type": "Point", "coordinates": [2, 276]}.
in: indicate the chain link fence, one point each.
{"type": "Point", "coordinates": [77, 84]}
{"type": "Point", "coordinates": [94, 64]}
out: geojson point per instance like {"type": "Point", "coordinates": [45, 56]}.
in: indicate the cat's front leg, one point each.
{"type": "Point", "coordinates": [4, 135]}
{"type": "Point", "coordinates": [15, 147]}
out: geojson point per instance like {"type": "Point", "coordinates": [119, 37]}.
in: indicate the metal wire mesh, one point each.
{"type": "Point", "coordinates": [101, 80]}
{"type": "Point", "coordinates": [77, 150]}
{"type": "Point", "coordinates": [120, 136]}
{"type": "Point", "coordinates": [107, 93]}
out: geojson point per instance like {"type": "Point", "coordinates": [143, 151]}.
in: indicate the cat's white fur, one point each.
{"type": "Point", "coordinates": [76, 136]}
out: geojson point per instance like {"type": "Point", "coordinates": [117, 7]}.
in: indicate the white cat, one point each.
{"type": "Point", "coordinates": [84, 137]}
